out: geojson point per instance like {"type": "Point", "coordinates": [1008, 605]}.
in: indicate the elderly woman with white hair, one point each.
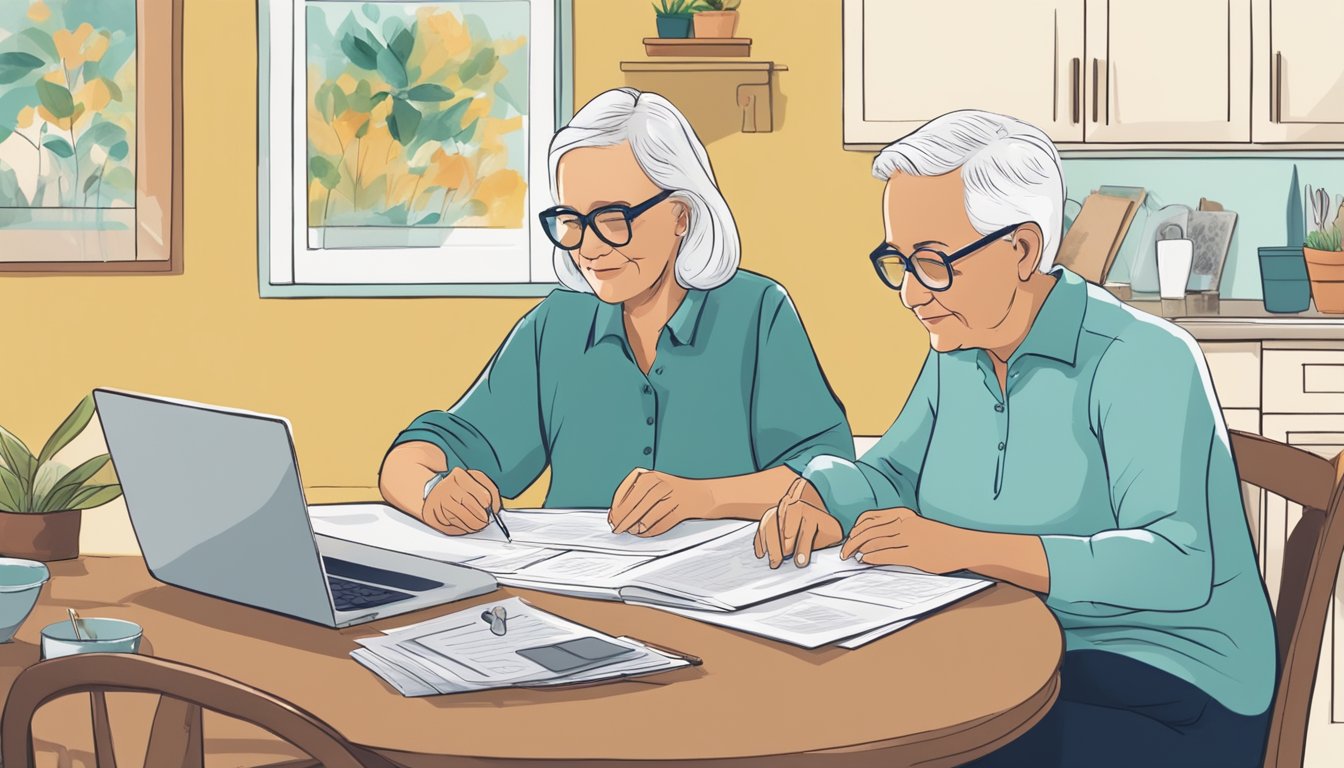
{"type": "Point", "coordinates": [662, 382]}
{"type": "Point", "coordinates": [1061, 441]}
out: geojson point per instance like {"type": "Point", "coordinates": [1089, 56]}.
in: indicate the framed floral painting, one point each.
{"type": "Point", "coordinates": [90, 135]}
{"type": "Point", "coordinates": [404, 144]}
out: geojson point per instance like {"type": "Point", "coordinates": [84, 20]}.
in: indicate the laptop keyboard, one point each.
{"type": "Point", "coordinates": [353, 596]}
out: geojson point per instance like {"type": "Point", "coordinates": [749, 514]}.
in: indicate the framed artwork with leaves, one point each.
{"type": "Point", "coordinates": [90, 136]}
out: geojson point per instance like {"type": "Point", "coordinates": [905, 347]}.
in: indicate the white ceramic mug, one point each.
{"type": "Point", "coordinates": [1174, 259]}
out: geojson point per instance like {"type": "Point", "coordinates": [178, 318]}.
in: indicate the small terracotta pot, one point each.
{"type": "Point", "coordinates": [715, 23]}
{"type": "Point", "coordinates": [45, 537]}
{"type": "Point", "coordinates": [1326, 269]}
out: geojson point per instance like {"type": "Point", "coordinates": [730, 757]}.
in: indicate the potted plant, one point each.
{"type": "Point", "coordinates": [718, 20]}
{"type": "Point", "coordinates": [674, 17]}
{"type": "Point", "coordinates": [1325, 265]}
{"type": "Point", "coordinates": [41, 500]}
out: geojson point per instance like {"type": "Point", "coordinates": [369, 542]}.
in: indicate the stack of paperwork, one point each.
{"type": "Point", "coordinates": [704, 569]}
{"type": "Point", "coordinates": [459, 652]}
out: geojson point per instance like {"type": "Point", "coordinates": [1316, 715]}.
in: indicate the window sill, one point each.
{"type": "Point", "coordinates": [415, 290]}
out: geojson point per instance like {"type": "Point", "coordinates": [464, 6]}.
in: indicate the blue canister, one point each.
{"type": "Point", "coordinates": [1283, 278]}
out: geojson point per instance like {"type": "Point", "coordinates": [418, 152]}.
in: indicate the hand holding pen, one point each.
{"type": "Point", "coordinates": [461, 501]}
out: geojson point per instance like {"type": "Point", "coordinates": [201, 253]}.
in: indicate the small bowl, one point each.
{"type": "Point", "coordinates": [100, 636]}
{"type": "Point", "coordinates": [20, 583]}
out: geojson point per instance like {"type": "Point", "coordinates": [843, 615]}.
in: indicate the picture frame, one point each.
{"type": "Point", "coordinates": [127, 215]}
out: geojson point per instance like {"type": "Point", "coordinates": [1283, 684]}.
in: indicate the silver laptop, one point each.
{"type": "Point", "coordinates": [216, 503]}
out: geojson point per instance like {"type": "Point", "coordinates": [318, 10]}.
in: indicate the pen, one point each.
{"type": "Point", "coordinates": [695, 661]}
{"type": "Point", "coordinates": [499, 520]}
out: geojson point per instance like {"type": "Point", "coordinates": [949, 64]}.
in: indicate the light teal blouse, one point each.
{"type": "Point", "coordinates": [735, 388]}
{"type": "Point", "coordinates": [1110, 446]}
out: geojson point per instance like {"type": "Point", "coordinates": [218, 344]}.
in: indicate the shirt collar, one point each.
{"type": "Point", "coordinates": [683, 326]}
{"type": "Point", "coordinates": [1055, 331]}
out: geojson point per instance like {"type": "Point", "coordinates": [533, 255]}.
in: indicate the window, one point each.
{"type": "Point", "coordinates": [403, 145]}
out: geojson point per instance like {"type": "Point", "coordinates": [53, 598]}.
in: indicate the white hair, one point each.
{"type": "Point", "coordinates": [673, 158]}
{"type": "Point", "coordinates": [1011, 170]}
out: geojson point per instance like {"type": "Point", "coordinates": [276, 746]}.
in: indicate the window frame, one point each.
{"type": "Point", "coordinates": [283, 271]}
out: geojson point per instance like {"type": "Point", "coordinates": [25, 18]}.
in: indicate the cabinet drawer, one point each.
{"type": "Point", "coordinates": [1304, 381]}
{"type": "Point", "coordinates": [1235, 369]}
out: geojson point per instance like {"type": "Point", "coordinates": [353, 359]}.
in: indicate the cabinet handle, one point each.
{"type": "Point", "coordinates": [1278, 86]}
{"type": "Point", "coordinates": [1077, 87]}
{"type": "Point", "coordinates": [1096, 77]}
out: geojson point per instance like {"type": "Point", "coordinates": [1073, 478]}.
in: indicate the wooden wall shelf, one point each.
{"type": "Point", "coordinates": [755, 91]}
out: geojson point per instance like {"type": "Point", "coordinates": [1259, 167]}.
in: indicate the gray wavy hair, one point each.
{"type": "Point", "coordinates": [1011, 170]}
{"type": "Point", "coordinates": [672, 156]}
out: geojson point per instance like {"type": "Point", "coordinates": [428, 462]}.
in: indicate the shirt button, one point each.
{"type": "Point", "coordinates": [1001, 446]}
{"type": "Point", "coordinates": [658, 370]}
{"type": "Point", "coordinates": [647, 450]}
{"type": "Point", "coordinates": [649, 421]}
{"type": "Point", "coordinates": [999, 407]}
{"type": "Point", "coordinates": [647, 389]}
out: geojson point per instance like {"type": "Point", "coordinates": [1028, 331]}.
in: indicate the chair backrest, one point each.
{"type": "Point", "coordinates": [175, 736]}
{"type": "Point", "coordinates": [1311, 563]}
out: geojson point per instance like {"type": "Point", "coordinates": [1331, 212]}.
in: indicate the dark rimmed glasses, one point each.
{"type": "Point", "coordinates": [565, 226]}
{"type": "Point", "coordinates": [930, 266]}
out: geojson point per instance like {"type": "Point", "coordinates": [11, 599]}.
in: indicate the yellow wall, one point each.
{"type": "Point", "coordinates": [349, 373]}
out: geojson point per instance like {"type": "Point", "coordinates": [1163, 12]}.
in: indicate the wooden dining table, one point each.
{"type": "Point", "coordinates": [950, 687]}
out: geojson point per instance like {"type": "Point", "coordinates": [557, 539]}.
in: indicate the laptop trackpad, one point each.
{"type": "Point", "coordinates": [368, 574]}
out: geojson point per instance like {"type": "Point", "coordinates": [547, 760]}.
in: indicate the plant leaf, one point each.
{"type": "Point", "coordinates": [70, 483]}
{"type": "Point", "coordinates": [93, 179]}
{"type": "Point", "coordinates": [56, 98]}
{"type": "Point", "coordinates": [113, 89]}
{"type": "Point", "coordinates": [371, 11]}
{"type": "Point", "coordinates": [17, 457]}
{"type": "Point", "coordinates": [15, 64]}
{"type": "Point", "coordinates": [119, 150]}
{"type": "Point", "coordinates": [432, 218]}
{"type": "Point", "coordinates": [95, 496]}
{"type": "Point", "coordinates": [59, 146]}
{"type": "Point", "coordinates": [408, 120]}
{"type": "Point", "coordinates": [43, 41]}
{"type": "Point", "coordinates": [429, 92]}
{"type": "Point", "coordinates": [401, 45]}
{"type": "Point", "coordinates": [12, 496]}
{"type": "Point", "coordinates": [75, 423]}
{"type": "Point", "coordinates": [391, 68]}
{"type": "Point", "coordinates": [360, 52]}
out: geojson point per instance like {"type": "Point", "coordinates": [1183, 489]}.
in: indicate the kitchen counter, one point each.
{"type": "Point", "coordinates": [1247, 320]}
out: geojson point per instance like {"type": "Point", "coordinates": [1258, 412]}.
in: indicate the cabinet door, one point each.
{"type": "Point", "coordinates": [1298, 73]}
{"type": "Point", "coordinates": [1322, 434]}
{"type": "Point", "coordinates": [1159, 71]}
{"type": "Point", "coordinates": [909, 61]}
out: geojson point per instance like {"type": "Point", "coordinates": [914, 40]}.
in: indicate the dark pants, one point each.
{"type": "Point", "coordinates": [1115, 711]}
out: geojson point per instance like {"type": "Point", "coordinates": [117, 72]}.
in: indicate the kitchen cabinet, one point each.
{"type": "Point", "coordinates": [1298, 72]}
{"type": "Point", "coordinates": [1291, 391]}
{"type": "Point", "coordinates": [909, 61]}
{"type": "Point", "coordinates": [1167, 72]}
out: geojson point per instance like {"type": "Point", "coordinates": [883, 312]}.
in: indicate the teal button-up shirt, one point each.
{"type": "Point", "coordinates": [735, 388]}
{"type": "Point", "coordinates": [1109, 445]}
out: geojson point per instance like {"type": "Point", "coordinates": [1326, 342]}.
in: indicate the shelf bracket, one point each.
{"type": "Point", "coordinates": [757, 101]}
{"type": "Point", "coordinates": [755, 87]}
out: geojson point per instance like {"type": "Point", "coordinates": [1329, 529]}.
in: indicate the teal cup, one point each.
{"type": "Point", "coordinates": [20, 583]}
{"type": "Point", "coordinates": [96, 636]}
{"type": "Point", "coordinates": [1283, 279]}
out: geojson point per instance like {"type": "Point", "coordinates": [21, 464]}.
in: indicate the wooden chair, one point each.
{"type": "Point", "coordinates": [175, 736]}
{"type": "Point", "coordinates": [1311, 563]}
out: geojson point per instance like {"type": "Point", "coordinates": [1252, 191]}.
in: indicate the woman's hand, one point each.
{"type": "Point", "coordinates": [458, 503]}
{"type": "Point", "coordinates": [648, 503]}
{"type": "Point", "coordinates": [901, 537]}
{"type": "Point", "coordinates": [796, 527]}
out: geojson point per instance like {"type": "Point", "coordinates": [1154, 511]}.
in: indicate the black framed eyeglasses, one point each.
{"type": "Point", "coordinates": [930, 266]}
{"type": "Point", "coordinates": [611, 223]}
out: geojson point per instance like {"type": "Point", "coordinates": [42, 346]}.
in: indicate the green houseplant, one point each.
{"type": "Point", "coordinates": [1324, 254]}
{"type": "Point", "coordinates": [719, 19]}
{"type": "Point", "coordinates": [41, 500]}
{"type": "Point", "coordinates": [674, 17]}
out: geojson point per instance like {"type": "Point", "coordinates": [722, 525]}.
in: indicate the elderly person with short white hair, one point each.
{"type": "Point", "coordinates": [662, 382]}
{"type": "Point", "coordinates": [1061, 441]}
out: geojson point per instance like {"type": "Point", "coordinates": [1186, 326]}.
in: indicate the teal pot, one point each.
{"type": "Point", "coordinates": [1283, 279]}
{"type": "Point", "coordinates": [678, 26]}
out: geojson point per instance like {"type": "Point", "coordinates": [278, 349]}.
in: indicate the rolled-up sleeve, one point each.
{"type": "Point", "coordinates": [496, 427]}
{"type": "Point", "coordinates": [1157, 429]}
{"type": "Point", "coordinates": [795, 416]}
{"type": "Point", "coordinates": [888, 474]}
